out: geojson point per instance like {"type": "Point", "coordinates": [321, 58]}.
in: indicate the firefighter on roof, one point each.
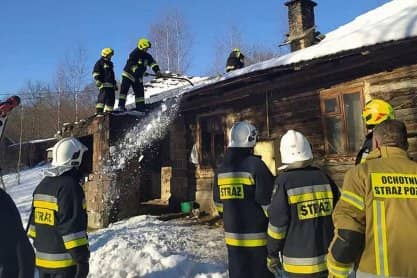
{"type": "Point", "coordinates": [300, 222]}
{"type": "Point", "coordinates": [132, 76]}
{"type": "Point", "coordinates": [236, 60]}
{"type": "Point", "coordinates": [242, 192]}
{"type": "Point", "coordinates": [103, 74]}
{"type": "Point", "coordinates": [58, 223]}
{"type": "Point", "coordinates": [376, 217]}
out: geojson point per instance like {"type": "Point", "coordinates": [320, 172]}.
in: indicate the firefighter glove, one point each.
{"type": "Point", "coordinates": [82, 270]}
{"type": "Point", "coordinates": [159, 74]}
{"type": "Point", "coordinates": [274, 266]}
{"type": "Point", "coordinates": [99, 84]}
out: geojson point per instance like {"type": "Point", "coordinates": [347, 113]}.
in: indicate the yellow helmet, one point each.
{"type": "Point", "coordinates": [106, 52]}
{"type": "Point", "coordinates": [236, 49]}
{"type": "Point", "coordinates": [144, 44]}
{"type": "Point", "coordinates": [376, 111]}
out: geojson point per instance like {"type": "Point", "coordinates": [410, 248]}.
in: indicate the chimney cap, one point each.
{"type": "Point", "coordinates": [294, 1]}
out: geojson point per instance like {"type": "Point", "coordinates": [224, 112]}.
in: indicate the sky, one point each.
{"type": "Point", "coordinates": [35, 36]}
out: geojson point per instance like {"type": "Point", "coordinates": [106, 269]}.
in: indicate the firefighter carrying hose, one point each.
{"type": "Point", "coordinates": [300, 224]}
{"type": "Point", "coordinates": [376, 217]}
{"type": "Point", "coordinates": [58, 221]}
{"type": "Point", "coordinates": [242, 192]}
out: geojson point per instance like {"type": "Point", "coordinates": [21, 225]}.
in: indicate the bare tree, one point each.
{"type": "Point", "coordinates": [171, 42]}
{"type": "Point", "coordinates": [71, 77]}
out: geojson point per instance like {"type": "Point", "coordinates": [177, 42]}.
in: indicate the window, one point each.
{"type": "Point", "coordinates": [212, 140]}
{"type": "Point", "coordinates": [342, 120]}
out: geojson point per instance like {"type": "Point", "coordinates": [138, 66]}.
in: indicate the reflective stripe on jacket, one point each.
{"type": "Point", "coordinates": [103, 72]}
{"type": "Point", "coordinates": [300, 224]}
{"type": "Point", "coordinates": [243, 186]}
{"type": "Point", "coordinates": [378, 212]}
{"type": "Point", "coordinates": [137, 63]}
{"type": "Point", "coordinates": [59, 222]}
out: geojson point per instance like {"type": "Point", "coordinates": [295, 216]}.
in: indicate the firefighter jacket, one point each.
{"type": "Point", "coordinates": [300, 222]}
{"type": "Point", "coordinates": [376, 218]}
{"type": "Point", "coordinates": [16, 254]}
{"type": "Point", "coordinates": [365, 150]}
{"type": "Point", "coordinates": [235, 61]}
{"type": "Point", "coordinates": [104, 73]}
{"type": "Point", "coordinates": [58, 222]}
{"type": "Point", "coordinates": [137, 63]}
{"type": "Point", "coordinates": [242, 192]}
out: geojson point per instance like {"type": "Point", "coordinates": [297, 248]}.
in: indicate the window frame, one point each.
{"type": "Point", "coordinates": [212, 160]}
{"type": "Point", "coordinates": [338, 93]}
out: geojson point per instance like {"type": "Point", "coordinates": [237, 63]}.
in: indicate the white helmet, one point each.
{"type": "Point", "coordinates": [243, 135]}
{"type": "Point", "coordinates": [67, 152]}
{"type": "Point", "coordinates": [295, 147]}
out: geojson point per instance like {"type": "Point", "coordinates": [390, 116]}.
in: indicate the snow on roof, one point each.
{"type": "Point", "coordinates": [392, 21]}
{"type": "Point", "coordinates": [158, 89]}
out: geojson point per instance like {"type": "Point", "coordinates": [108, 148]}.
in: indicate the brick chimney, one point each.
{"type": "Point", "coordinates": [302, 32]}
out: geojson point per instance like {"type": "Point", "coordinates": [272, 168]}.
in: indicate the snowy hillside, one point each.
{"type": "Point", "coordinates": [141, 246]}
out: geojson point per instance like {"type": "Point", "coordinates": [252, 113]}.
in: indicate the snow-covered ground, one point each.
{"type": "Point", "coordinates": [141, 246]}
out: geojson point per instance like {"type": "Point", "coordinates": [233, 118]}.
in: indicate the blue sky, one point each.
{"type": "Point", "coordinates": [35, 36]}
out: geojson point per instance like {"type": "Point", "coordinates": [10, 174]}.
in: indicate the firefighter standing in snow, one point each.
{"type": "Point", "coordinates": [103, 74]}
{"type": "Point", "coordinates": [376, 218]}
{"type": "Point", "coordinates": [242, 192]}
{"type": "Point", "coordinates": [58, 222]}
{"type": "Point", "coordinates": [235, 60]}
{"type": "Point", "coordinates": [139, 60]}
{"type": "Point", "coordinates": [16, 254]}
{"type": "Point", "coordinates": [375, 112]}
{"type": "Point", "coordinates": [300, 222]}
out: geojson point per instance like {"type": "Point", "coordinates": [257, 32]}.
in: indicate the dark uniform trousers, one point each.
{"type": "Point", "coordinates": [241, 258]}
{"type": "Point", "coordinates": [138, 89]}
{"type": "Point", "coordinates": [68, 273]}
{"type": "Point", "coordinates": [106, 96]}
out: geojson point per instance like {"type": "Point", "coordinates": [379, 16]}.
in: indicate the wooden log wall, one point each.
{"type": "Point", "coordinates": [274, 112]}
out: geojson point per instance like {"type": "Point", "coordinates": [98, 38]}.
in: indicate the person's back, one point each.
{"type": "Point", "coordinates": [390, 196]}
{"type": "Point", "coordinates": [17, 259]}
{"type": "Point", "coordinates": [300, 224]}
{"type": "Point", "coordinates": [59, 218]}
{"type": "Point", "coordinates": [242, 191]}
{"type": "Point", "coordinates": [377, 214]}
{"type": "Point", "coordinates": [305, 215]}
{"type": "Point", "coordinates": [241, 211]}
